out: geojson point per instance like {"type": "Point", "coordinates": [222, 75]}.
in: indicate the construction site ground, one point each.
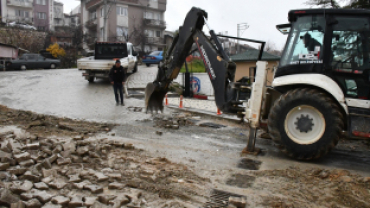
{"type": "Point", "coordinates": [64, 143]}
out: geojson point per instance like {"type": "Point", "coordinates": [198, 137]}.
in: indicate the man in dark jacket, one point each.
{"type": "Point", "coordinates": [117, 76]}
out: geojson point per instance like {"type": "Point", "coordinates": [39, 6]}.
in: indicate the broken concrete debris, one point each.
{"type": "Point", "coordinates": [174, 121]}
{"type": "Point", "coordinates": [42, 174]}
{"type": "Point", "coordinates": [77, 171]}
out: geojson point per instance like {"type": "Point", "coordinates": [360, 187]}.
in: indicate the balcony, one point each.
{"type": "Point", "coordinates": [20, 3]}
{"type": "Point", "coordinates": [26, 20]}
{"type": "Point", "coordinates": [92, 24]}
{"type": "Point", "coordinates": [154, 40]}
{"type": "Point", "coordinates": [93, 4]}
{"type": "Point", "coordinates": [155, 23]}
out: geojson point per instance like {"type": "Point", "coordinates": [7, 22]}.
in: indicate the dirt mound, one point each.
{"type": "Point", "coordinates": [310, 188]}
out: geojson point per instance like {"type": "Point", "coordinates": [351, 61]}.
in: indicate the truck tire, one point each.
{"type": "Point", "coordinates": [147, 65]}
{"type": "Point", "coordinates": [305, 123]}
{"type": "Point", "coordinates": [23, 68]}
{"type": "Point", "coordinates": [91, 79]}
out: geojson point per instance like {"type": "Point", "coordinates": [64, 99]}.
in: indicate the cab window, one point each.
{"type": "Point", "coordinates": [350, 45]}
{"type": "Point", "coordinates": [304, 45]}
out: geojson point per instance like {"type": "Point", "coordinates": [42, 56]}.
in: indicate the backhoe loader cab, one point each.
{"type": "Point", "coordinates": [324, 81]}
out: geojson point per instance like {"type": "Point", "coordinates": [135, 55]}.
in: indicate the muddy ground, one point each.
{"type": "Point", "coordinates": [84, 164]}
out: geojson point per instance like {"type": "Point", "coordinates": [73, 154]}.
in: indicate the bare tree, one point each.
{"type": "Point", "coordinates": [364, 4]}
{"type": "Point", "coordinates": [323, 3]}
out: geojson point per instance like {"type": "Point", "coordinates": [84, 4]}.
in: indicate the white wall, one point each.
{"type": "Point", "coordinates": [4, 10]}
{"type": "Point", "coordinates": [153, 4]}
{"type": "Point", "coordinates": [85, 18]}
{"type": "Point", "coordinates": [76, 10]}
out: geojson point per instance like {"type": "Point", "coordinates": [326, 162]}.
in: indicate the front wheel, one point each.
{"type": "Point", "coordinates": [305, 123]}
{"type": "Point", "coordinates": [23, 67]}
{"type": "Point", "coordinates": [52, 66]}
{"type": "Point", "coordinates": [147, 65]}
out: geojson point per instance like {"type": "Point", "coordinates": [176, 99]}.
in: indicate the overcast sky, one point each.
{"type": "Point", "coordinates": [223, 15]}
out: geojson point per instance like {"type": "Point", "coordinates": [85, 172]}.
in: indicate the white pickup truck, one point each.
{"type": "Point", "coordinates": [106, 54]}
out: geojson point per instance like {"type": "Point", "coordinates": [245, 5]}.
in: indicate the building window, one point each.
{"type": "Point", "coordinates": [93, 15]}
{"type": "Point", "coordinates": [157, 16]}
{"type": "Point", "coordinates": [122, 32]}
{"type": "Point", "coordinates": [122, 11]}
{"type": "Point", "coordinates": [158, 34]}
{"type": "Point", "coordinates": [148, 15]}
{"type": "Point", "coordinates": [41, 2]}
{"type": "Point", "coordinates": [102, 12]}
{"type": "Point", "coordinates": [41, 15]}
{"type": "Point", "coordinates": [21, 13]}
{"type": "Point", "coordinates": [42, 28]}
{"type": "Point", "coordinates": [149, 33]}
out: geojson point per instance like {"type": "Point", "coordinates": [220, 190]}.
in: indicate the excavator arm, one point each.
{"type": "Point", "coordinates": [220, 69]}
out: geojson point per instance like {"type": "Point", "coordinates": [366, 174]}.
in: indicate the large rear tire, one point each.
{"type": "Point", "coordinates": [305, 123]}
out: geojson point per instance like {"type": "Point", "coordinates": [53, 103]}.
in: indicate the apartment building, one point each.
{"type": "Point", "coordinates": [75, 16]}
{"type": "Point", "coordinates": [43, 14]}
{"type": "Point", "coordinates": [66, 19]}
{"type": "Point", "coordinates": [127, 18]}
{"type": "Point", "coordinates": [17, 10]}
{"type": "Point", "coordinates": [58, 14]}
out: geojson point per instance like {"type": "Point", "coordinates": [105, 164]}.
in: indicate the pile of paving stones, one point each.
{"type": "Point", "coordinates": [39, 172]}
{"type": "Point", "coordinates": [173, 121]}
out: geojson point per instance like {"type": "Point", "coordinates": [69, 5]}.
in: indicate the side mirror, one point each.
{"type": "Point", "coordinates": [134, 53]}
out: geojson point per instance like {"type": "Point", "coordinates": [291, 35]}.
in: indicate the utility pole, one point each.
{"type": "Point", "coordinates": [241, 27]}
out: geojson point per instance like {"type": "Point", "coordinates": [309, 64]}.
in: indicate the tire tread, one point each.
{"type": "Point", "coordinates": [274, 121]}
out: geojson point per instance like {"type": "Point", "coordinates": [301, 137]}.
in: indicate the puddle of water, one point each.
{"type": "Point", "coordinates": [212, 125]}
{"type": "Point", "coordinates": [249, 164]}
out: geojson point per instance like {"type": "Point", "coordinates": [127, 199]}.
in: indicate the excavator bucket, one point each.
{"type": "Point", "coordinates": [154, 97]}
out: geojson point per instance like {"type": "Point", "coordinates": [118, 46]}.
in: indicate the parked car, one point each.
{"type": "Point", "coordinates": [2, 67]}
{"type": "Point", "coordinates": [22, 25]}
{"type": "Point", "coordinates": [153, 58]}
{"type": "Point", "coordinates": [33, 61]}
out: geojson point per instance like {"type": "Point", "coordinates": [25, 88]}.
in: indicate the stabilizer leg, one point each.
{"type": "Point", "coordinates": [251, 148]}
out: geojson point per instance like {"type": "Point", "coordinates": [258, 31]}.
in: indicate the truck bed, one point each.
{"type": "Point", "coordinates": [90, 63]}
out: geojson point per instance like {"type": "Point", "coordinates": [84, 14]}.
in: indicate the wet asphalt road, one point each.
{"type": "Point", "coordinates": [212, 152]}
{"type": "Point", "coordinates": [65, 93]}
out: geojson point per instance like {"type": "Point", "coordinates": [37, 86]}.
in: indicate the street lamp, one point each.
{"type": "Point", "coordinates": [241, 27]}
